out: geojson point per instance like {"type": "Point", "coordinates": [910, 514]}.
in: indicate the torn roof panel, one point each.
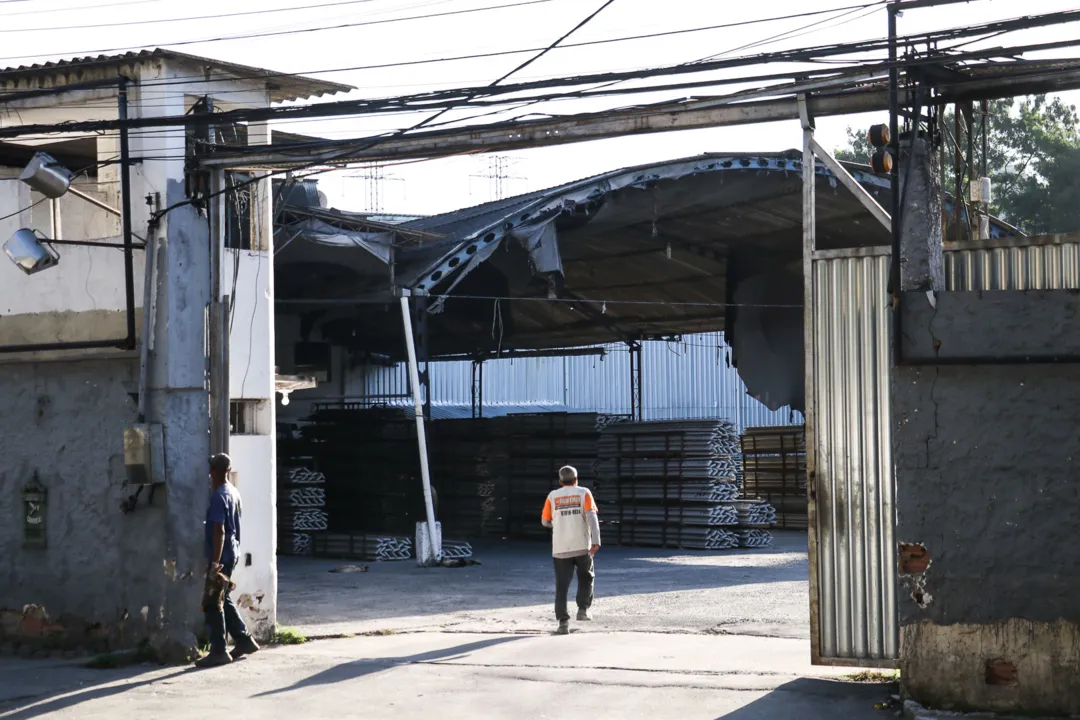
{"type": "Point", "coordinates": [653, 250]}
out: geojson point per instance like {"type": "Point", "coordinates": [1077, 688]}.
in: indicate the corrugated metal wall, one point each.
{"type": "Point", "coordinates": [856, 518]}
{"type": "Point", "coordinates": [1046, 266]}
{"type": "Point", "coordinates": [688, 379]}
{"type": "Point", "coordinates": [856, 552]}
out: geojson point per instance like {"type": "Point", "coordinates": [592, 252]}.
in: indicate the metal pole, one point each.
{"type": "Point", "coordinates": [147, 325]}
{"type": "Point", "coordinates": [421, 436]}
{"type": "Point", "coordinates": [894, 178]}
{"type": "Point", "coordinates": [958, 175]}
{"type": "Point", "coordinates": [640, 384]}
{"type": "Point", "coordinates": [809, 240]}
{"type": "Point", "coordinates": [54, 210]}
{"type": "Point", "coordinates": [125, 212]}
{"type": "Point", "coordinates": [225, 396]}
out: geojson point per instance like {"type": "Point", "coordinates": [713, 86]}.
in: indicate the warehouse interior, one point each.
{"type": "Point", "coordinates": [691, 251]}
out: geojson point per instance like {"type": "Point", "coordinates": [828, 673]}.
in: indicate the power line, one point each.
{"type": "Point", "coordinates": [22, 210]}
{"type": "Point", "coordinates": [180, 80]}
{"type": "Point", "coordinates": [278, 33]}
{"type": "Point", "coordinates": [555, 44]}
{"type": "Point", "coordinates": [455, 97]}
{"type": "Point", "coordinates": [598, 301]}
{"type": "Point", "coordinates": [77, 8]}
{"type": "Point", "coordinates": [369, 145]}
{"type": "Point", "coordinates": [800, 31]}
{"type": "Point", "coordinates": [184, 19]}
{"type": "Point", "coordinates": [793, 55]}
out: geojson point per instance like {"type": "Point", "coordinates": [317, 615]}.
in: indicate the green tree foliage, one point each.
{"type": "Point", "coordinates": [1033, 157]}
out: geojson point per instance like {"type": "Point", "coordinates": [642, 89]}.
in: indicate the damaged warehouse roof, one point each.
{"type": "Point", "coordinates": [649, 251]}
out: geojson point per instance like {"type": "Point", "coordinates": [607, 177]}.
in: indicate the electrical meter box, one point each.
{"type": "Point", "coordinates": [144, 454]}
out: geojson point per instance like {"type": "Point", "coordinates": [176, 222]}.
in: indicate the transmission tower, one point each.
{"type": "Point", "coordinates": [497, 174]}
{"type": "Point", "coordinates": [374, 177]}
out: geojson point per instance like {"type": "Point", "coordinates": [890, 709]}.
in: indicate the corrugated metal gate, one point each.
{"type": "Point", "coordinates": [853, 482]}
{"type": "Point", "coordinates": [852, 486]}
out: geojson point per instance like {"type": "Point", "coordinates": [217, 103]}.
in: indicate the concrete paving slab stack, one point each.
{"type": "Point", "coordinates": [671, 483]}
{"type": "Point", "coordinates": [301, 508]}
{"type": "Point", "coordinates": [774, 469]}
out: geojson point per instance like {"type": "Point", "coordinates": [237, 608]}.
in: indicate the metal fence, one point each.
{"type": "Point", "coordinates": [689, 379]}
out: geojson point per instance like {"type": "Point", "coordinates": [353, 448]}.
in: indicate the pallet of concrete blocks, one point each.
{"type": "Point", "coordinates": [456, 550]}
{"type": "Point", "coordinates": [685, 491]}
{"type": "Point", "coordinates": [754, 538]}
{"type": "Point", "coordinates": [682, 537]}
{"type": "Point", "coordinates": [689, 438]}
{"type": "Point", "coordinates": [755, 513]}
{"type": "Point", "coordinates": [774, 469]}
{"type": "Point", "coordinates": [678, 516]}
{"type": "Point", "coordinates": [301, 508]}
{"type": "Point", "coordinates": [370, 547]}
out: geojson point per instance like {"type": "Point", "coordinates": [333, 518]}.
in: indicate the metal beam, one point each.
{"type": "Point", "coordinates": [851, 184]}
{"type": "Point", "coordinates": [809, 244]}
{"type": "Point", "coordinates": [560, 131]}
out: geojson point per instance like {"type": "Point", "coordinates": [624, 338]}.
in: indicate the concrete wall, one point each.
{"type": "Point", "coordinates": [127, 577]}
{"type": "Point", "coordinates": [99, 565]}
{"type": "Point", "coordinates": [987, 455]}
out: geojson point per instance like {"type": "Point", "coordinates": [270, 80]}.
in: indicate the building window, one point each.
{"type": "Point", "coordinates": [246, 417]}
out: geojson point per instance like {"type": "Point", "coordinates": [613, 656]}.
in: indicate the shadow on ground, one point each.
{"type": "Point", "coordinates": [519, 574]}
{"type": "Point", "coordinates": [816, 699]}
{"type": "Point", "coordinates": [83, 686]}
{"type": "Point", "coordinates": [366, 666]}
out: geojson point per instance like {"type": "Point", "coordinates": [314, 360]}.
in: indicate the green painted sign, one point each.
{"type": "Point", "coordinates": [34, 496]}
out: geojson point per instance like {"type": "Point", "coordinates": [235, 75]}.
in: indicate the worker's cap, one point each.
{"type": "Point", "coordinates": [221, 462]}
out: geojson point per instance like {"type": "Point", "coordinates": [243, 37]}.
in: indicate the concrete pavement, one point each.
{"type": "Point", "coordinates": [747, 592]}
{"type": "Point", "coordinates": [677, 635]}
{"type": "Point", "coordinates": [464, 676]}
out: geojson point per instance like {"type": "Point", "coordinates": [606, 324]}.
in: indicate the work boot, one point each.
{"type": "Point", "coordinates": [583, 614]}
{"type": "Point", "coordinates": [564, 628]}
{"type": "Point", "coordinates": [214, 660]}
{"type": "Point", "coordinates": [245, 646]}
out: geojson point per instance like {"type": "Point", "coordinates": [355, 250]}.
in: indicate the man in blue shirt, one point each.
{"type": "Point", "coordinates": [222, 553]}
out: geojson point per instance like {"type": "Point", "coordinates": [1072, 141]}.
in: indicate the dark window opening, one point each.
{"type": "Point", "coordinates": [238, 211]}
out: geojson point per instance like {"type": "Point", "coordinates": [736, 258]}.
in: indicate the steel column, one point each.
{"type": "Point", "coordinates": [421, 435]}
{"type": "Point", "coordinates": [478, 389]}
{"type": "Point", "coordinates": [637, 401]}
{"type": "Point", "coordinates": [809, 245]}
{"type": "Point", "coordinates": [420, 328]}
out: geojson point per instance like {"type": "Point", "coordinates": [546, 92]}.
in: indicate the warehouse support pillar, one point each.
{"type": "Point", "coordinates": [428, 535]}
{"type": "Point", "coordinates": [477, 389]}
{"type": "Point", "coordinates": [637, 407]}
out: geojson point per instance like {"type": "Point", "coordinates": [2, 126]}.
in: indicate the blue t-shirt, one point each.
{"type": "Point", "coordinates": [225, 509]}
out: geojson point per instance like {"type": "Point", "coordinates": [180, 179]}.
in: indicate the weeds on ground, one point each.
{"type": "Point", "coordinates": [115, 660]}
{"type": "Point", "coordinates": [872, 676]}
{"type": "Point", "coordinates": [289, 636]}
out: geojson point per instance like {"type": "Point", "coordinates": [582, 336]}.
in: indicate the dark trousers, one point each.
{"type": "Point", "coordinates": [564, 573]}
{"type": "Point", "coordinates": [226, 619]}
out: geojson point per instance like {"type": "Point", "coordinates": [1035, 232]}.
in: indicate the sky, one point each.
{"type": "Point", "coordinates": [322, 37]}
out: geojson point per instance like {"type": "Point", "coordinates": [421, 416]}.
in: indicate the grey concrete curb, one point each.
{"type": "Point", "coordinates": [915, 711]}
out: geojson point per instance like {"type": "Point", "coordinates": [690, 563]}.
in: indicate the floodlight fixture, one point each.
{"type": "Point", "coordinates": [30, 254]}
{"type": "Point", "coordinates": [47, 176]}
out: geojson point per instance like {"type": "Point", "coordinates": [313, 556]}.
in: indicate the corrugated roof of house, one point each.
{"type": "Point", "coordinates": [283, 86]}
